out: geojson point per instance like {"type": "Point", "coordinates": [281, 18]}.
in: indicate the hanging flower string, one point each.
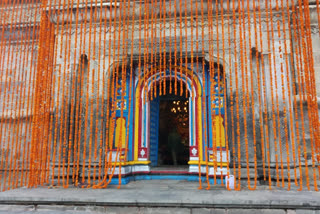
{"type": "Point", "coordinates": [79, 79]}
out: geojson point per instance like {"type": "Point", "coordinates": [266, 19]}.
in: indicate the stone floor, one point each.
{"type": "Point", "coordinates": [159, 196]}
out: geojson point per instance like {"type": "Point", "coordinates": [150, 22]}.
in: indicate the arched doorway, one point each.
{"type": "Point", "coordinates": [192, 84]}
{"type": "Point", "coordinates": [169, 127]}
{"type": "Point", "coordinates": [206, 136]}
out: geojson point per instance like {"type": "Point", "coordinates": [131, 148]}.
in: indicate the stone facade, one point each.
{"type": "Point", "coordinates": [87, 31]}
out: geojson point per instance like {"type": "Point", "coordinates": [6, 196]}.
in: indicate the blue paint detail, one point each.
{"type": "Point", "coordinates": [191, 178]}
{"type": "Point", "coordinates": [124, 113]}
{"type": "Point", "coordinates": [131, 119]}
{"type": "Point", "coordinates": [154, 130]}
{"type": "Point", "coordinates": [191, 128]}
{"type": "Point", "coordinates": [144, 140]}
{"type": "Point", "coordinates": [214, 99]}
{"type": "Point", "coordinates": [124, 181]}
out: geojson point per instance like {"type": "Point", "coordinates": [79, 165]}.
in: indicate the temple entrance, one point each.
{"type": "Point", "coordinates": [169, 129]}
{"type": "Point", "coordinates": [166, 110]}
{"type": "Point", "coordinates": [173, 131]}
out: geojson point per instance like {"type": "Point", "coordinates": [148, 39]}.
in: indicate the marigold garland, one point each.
{"type": "Point", "coordinates": [71, 71]}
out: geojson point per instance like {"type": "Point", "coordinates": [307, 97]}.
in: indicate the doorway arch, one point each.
{"type": "Point", "coordinates": [142, 112]}
{"type": "Point", "coordinates": [169, 125]}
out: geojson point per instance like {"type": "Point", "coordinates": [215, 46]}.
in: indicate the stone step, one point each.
{"type": "Point", "coordinates": [160, 196]}
{"type": "Point", "coordinates": [68, 209]}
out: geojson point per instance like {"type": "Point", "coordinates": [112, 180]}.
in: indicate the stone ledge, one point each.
{"type": "Point", "coordinates": [160, 193]}
{"type": "Point", "coordinates": [147, 210]}
{"type": "Point", "coordinates": [304, 102]}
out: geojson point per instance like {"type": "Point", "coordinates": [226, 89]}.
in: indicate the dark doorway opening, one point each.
{"type": "Point", "coordinates": [173, 148]}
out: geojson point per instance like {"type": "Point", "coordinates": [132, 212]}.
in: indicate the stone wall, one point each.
{"type": "Point", "coordinates": [102, 58]}
{"type": "Point", "coordinates": [239, 46]}
{"type": "Point", "coordinates": [17, 81]}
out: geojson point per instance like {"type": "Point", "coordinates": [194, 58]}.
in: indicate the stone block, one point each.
{"type": "Point", "coordinates": [59, 212]}
{"type": "Point", "coordinates": [218, 211]}
{"type": "Point", "coordinates": [122, 210]}
{"type": "Point", "coordinates": [17, 208]}
{"type": "Point", "coordinates": [208, 211]}
{"type": "Point", "coordinates": [164, 210]}
{"type": "Point", "coordinates": [90, 209]}
{"type": "Point", "coordinates": [317, 73]}
{"type": "Point", "coordinates": [77, 209]}
{"type": "Point", "coordinates": [201, 211]}
{"type": "Point", "coordinates": [19, 212]}
{"type": "Point", "coordinates": [256, 211]}
{"type": "Point", "coordinates": [54, 208]}
{"type": "Point", "coordinates": [307, 212]}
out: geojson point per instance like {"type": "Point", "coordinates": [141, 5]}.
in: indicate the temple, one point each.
{"type": "Point", "coordinates": [106, 92]}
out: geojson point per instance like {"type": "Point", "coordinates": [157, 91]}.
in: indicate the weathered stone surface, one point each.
{"type": "Point", "coordinates": [16, 208]}
{"type": "Point", "coordinates": [208, 211]}
{"type": "Point", "coordinates": [218, 211]}
{"type": "Point", "coordinates": [161, 194]}
{"type": "Point", "coordinates": [70, 208]}
{"type": "Point", "coordinates": [122, 210]}
{"type": "Point", "coordinates": [201, 211]}
{"type": "Point", "coordinates": [256, 211]}
{"type": "Point", "coordinates": [307, 211]}
{"type": "Point", "coordinates": [164, 210]}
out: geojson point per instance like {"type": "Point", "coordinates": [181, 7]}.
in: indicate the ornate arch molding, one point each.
{"type": "Point", "coordinates": [141, 141]}
{"type": "Point", "coordinates": [139, 95]}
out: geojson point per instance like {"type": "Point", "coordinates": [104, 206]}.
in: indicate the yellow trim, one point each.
{"type": "Point", "coordinates": [200, 128]}
{"type": "Point", "coordinates": [192, 162]}
{"type": "Point", "coordinates": [131, 163]}
{"type": "Point", "coordinates": [120, 132]}
{"type": "Point", "coordinates": [139, 162]}
{"type": "Point", "coordinates": [136, 124]}
{"type": "Point", "coordinates": [195, 162]}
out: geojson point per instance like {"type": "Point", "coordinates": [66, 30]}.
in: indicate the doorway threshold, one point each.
{"type": "Point", "coordinates": [169, 169]}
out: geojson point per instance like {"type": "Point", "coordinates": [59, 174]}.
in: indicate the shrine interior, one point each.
{"type": "Point", "coordinates": [173, 123]}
